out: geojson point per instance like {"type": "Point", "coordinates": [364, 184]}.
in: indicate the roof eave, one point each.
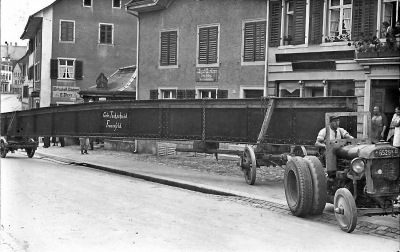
{"type": "Point", "coordinates": [155, 6]}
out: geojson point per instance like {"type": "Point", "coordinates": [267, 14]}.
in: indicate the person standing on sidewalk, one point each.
{"type": "Point", "coordinates": [84, 143]}
{"type": "Point", "coordinates": [378, 125]}
{"type": "Point", "coordinates": [394, 129]}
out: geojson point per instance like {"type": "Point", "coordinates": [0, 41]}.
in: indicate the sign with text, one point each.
{"type": "Point", "coordinates": [206, 74]}
{"type": "Point", "coordinates": [65, 91]}
{"type": "Point", "coordinates": [115, 121]}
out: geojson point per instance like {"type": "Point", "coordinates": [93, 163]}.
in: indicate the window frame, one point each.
{"type": "Point", "coordinates": [198, 44]}
{"type": "Point", "coordinates": [171, 90]}
{"type": "Point", "coordinates": [118, 7]}
{"type": "Point", "coordinates": [341, 8]}
{"type": "Point", "coordinates": [60, 31]}
{"type": "Point", "coordinates": [60, 77]}
{"type": "Point", "coordinates": [255, 62]}
{"type": "Point", "coordinates": [87, 5]}
{"type": "Point", "coordinates": [112, 34]}
{"type": "Point", "coordinates": [177, 50]}
{"type": "Point", "coordinates": [199, 91]}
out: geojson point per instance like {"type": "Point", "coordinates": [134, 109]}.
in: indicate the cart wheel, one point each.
{"type": "Point", "coordinates": [345, 210]}
{"type": "Point", "coordinates": [3, 149]}
{"type": "Point", "coordinates": [249, 165]}
{"type": "Point", "coordinates": [30, 152]}
{"type": "Point", "coordinates": [298, 186]}
{"type": "Point", "coordinates": [319, 184]}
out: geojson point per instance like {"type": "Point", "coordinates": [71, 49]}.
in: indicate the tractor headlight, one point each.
{"type": "Point", "coordinates": [358, 165]}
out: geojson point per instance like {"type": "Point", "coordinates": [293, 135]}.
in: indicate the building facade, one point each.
{"type": "Point", "coordinates": [71, 42]}
{"type": "Point", "coordinates": [254, 48]}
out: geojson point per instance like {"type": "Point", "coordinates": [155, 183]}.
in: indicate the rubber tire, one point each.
{"type": "Point", "coordinates": [348, 221]}
{"type": "Point", "coordinates": [320, 188]}
{"type": "Point", "coordinates": [249, 165]}
{"type": "Point", "coordinates": [298, 186]}
{"type": "Point", "coordinates": [3, 149]}
{"type": "Point", "coordinates": [30, 152]}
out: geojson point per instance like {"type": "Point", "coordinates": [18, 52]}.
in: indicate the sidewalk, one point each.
{"type": "Point", "coordinates": [201, 173]}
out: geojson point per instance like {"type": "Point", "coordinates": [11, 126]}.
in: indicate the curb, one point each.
{"type": "Point", "coordinates": [243, 198]}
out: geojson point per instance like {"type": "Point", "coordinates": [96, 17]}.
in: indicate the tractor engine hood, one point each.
{"type": "Point", "coordinates": [363, 150]}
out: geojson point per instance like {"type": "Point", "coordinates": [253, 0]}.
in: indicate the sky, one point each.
{"type": "Point", "coordinates": [14, 16]}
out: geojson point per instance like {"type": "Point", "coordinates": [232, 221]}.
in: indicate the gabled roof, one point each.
{"type": "Point", "coordinates": [34, 22]}
{"type": "Point", "coordinates": [147, 5]}
{"type": "Point", "coordinates": [120, 82]}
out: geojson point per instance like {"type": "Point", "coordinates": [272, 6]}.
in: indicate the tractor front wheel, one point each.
{"type": "Point", "coordinates": [249, 165]}
{"type": "Point", "coordinates": [345, 210]}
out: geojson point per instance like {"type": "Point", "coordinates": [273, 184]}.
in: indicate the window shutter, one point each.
{"type": "Point", "coordinates": [63, 31]}
{"type": "Point", "coordinates": [222, 94]}
{"type": "Point", "coordinates": [53, 69]}
{"type": "Point", "coordinates": [364, 18]}
{"type": "Point", "coordinates": [315, 36]}
{"type": "Point", "coordinates": [153, 94]}
{"type": "Point", "coordinates": [190, 94]}
{"type": "Point", "coordinates": [173, 47]}
{"type": "Point", "coordinates": [260, 41]}
{"type": "Point", "coordinates": [208, 45]}
{"type": "Point", "coordinates": [299, 24]}
{"type": "Point", "coordinates": [180, 94]}
{"type": "Point", "coordinates": [275, 23]}
{"type": "Point", "coordinates": [109, 34]}
{"type": "Point", "coordinates": [70, 31]}
{"type": "Point", "coordinates": [78, 70]}
{"type": "Point", "coordinates": [248, 52]}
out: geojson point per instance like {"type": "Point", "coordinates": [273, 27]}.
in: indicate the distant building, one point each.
{"type": "Point", "coordinates": [10, 53]}
{"type": "Point", "coordinates": [119, 86]}
{"type": "Point", "coordinates": [18, 79]}
{"type": "Point", "coordinates": [70, 42]}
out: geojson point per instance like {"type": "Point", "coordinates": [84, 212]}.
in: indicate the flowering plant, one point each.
{"type": "Point", "coordinates": [366, 44]}
{"type": "Point", "coordinates": [340, 37]}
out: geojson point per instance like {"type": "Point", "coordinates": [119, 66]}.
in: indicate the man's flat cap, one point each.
{"type": "Point", "coordinates": [333, 118]}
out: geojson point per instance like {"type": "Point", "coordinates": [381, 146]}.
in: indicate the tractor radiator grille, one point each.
{"type": "Point", "coordinates": [385, 175]}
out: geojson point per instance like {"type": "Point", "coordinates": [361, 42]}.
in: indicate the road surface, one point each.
{"type": "Point", "coordinates": [47, 206]}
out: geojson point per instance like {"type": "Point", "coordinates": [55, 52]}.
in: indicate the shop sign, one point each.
{"type": "Point", "coordinates": [207, 74]}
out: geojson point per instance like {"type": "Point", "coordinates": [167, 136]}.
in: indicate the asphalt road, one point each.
{"type": "Point", "coordinates": [47, 206]}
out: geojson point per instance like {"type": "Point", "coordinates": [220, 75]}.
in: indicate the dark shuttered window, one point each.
{"type": "Point", "coordinates": [299, 22]}
{"type": "Point", "coordinates": [316, 18]}
{"type": "Point", "coordinates": [106, 34]}
{"type": "Point", "coordinates": [154, 94]}
{"type": "Point", "coordinates": [208, 45]}
{"type": "Point", "coordinates": [169, 48]}
{"type": "Point", "coordinates": [222, 94]}
{"type": "Point", "coordinates": [254, 41]}
{"type": "Point", "coordinates": [53, 68]}
{"type": "Point", "coordinates": [67, 31]}
{"type": "Point", "coordinates": [185, 94]}
{"type": "Point", "coordinates": [78, 70]}
{"type": "Point", "coordinates": [364, 18]}
{"type": "Point", "coordinates": [275, 23]}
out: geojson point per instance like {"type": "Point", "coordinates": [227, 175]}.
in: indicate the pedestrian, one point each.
{"type": "Point", "coordinates": [388, 32]}
{"type": "Point", "coordinates": [394, 129]}
{"type": "Point", "coordinates": [54, 141]}
{"type": "Point", "coordinates": [378, 125]}
{"type": "Point", "coordinates": [84, 143]}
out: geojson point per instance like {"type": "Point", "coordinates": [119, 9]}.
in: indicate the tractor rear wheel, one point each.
{"type": "Point", "coordinates": [345, 210]}
{"type": "Point", "coordinates": [319, 184]}
{"type": "Point", "coordinates": [298, 186]}
{"type": "Point", "coordinates": [249, 165]}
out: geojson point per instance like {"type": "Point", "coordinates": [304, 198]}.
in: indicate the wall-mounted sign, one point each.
{"type": "Point", "coordinates": [115, 121]}
{"type": "Point", "coordinates": [206, 74]}
{"type": "Point", "coordinates": [65, 92]}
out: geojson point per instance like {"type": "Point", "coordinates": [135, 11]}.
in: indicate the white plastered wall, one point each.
{"type": "Point", "coordinates": [47, 38]}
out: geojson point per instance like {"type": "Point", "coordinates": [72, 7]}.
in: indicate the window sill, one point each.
{"type": "Point", "coordinates": [330, 44]}
{"type": "Point", "coordinates": [285, 47]}
{"type": "Point", "coordinates": [168, 67]}
{"type": "Point", "coordinates": [105, 44]}
{"type": "Point", "coordinates": [66, 42]}
{"type": "Point", "coordinates": [208, 65]}
{"type": "Point", "coordinates": [253, 63]}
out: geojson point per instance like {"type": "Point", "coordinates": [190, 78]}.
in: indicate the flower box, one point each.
{"type": "Point", "coordinates": [361, 55]}
{"type": "Point", "coordinates": [386, 54]}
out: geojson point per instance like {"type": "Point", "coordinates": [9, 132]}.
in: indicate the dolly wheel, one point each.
{"type": "Point", "coordinates": [3, 149]}
{"type": "Point", "coordinates": [345, 210]}
{"type": "Point", "coordinates": [249, 165]}
{"type": "Point", "coordinates": [30, 152]}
